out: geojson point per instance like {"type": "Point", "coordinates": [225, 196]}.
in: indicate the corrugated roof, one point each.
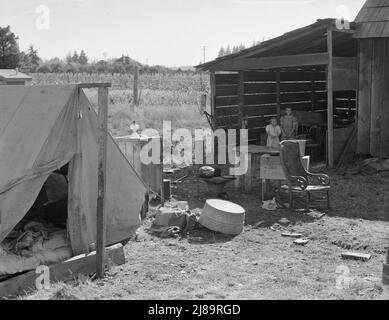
{"type": "Point", "coordinates": [373, 20]}
{"type": "Point", "coordinates": [13, 75]}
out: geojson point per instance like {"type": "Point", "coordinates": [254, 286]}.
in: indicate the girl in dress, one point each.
{"type": "Point", "coordinates": [273, 131]}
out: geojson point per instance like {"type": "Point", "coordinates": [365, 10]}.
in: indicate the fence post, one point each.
{"type": "Point", "coordinates": [136, 86]}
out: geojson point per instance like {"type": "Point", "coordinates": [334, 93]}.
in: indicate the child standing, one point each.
{"type": "Point", "coordinates": [273, 131]}
{"type": "Point", "coordinates": [289, 125]}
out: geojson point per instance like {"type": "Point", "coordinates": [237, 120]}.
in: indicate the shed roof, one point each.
{"type": "Point", "coordinates": [373, 20]}
{"type": "Point", "coordinates": [13, 75]}
{"type": "Point", "coordinates": [309, 39]}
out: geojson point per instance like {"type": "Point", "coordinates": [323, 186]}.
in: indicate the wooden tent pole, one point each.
{"type": "Point", "coordinates": [102, 172]}
{"type": "Point", "coordinates": [330, 86]}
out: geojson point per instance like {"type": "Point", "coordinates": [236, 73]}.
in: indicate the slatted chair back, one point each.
{"type": "Point", "coordinates": [291, 160]}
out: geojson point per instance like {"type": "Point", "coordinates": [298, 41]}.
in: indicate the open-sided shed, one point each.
{"type": "Point", "coordinates": [311, 69]}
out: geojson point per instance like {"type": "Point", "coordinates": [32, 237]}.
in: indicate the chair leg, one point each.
{"type": "Point", "coordinates": [328, 200]}
{"type": "Point", "coordinates": [308, 200]}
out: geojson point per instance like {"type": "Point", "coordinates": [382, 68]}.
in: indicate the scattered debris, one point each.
{"type": "Point", "coordinates": [176, 214]}
{"type": "Point", "coordinates": [277, 227]}
{"type": "Point", "coordinates": [270, 205]}
{"type": "Point", "coordinates": [292, 235]}
{"type": "Point", "coordinates": [284, 221]}
{"type": "Point", "coordinates": [316, 214]}
{"type": "Point", "coordinates": [356, 256]}
{"type": "Point", "coordinates": [258, 224]}
{"type": "Point", "coordinates": [301, 242]}
{"type": "Point", "coordinates": [180, 179]}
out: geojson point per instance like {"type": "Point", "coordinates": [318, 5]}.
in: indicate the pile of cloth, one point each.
{"type": "Point", "coordinates": [32, 244]}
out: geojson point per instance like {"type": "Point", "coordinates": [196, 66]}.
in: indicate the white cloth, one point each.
{"type": "Point", "coordinates": [273, 136]}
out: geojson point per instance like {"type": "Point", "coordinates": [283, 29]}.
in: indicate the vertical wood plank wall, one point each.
{"type": "Point", "coordinates": [302, 90]}
{"type": "Point", "coordinates": [373, 93]}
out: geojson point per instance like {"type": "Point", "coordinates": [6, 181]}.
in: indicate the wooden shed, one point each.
{"type": "Point", "coordinates": [311, 69]}
{"type": "Point", "coordinates": [13, 77]}
{"type": "Point", "coordinates": [372, 32]}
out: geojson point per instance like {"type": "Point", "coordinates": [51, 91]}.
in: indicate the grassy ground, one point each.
{"type": "Point", "coordinates": [259, 263]}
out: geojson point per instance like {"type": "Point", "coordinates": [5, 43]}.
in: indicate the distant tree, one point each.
{"type": "Point", "coordinates": [91, 68]}
{"type": "Point", "coordinates": [102, 66]}
{"type": "Point", "coordinates": [222, 52]}
{"type": "Point", "coordinates": [68, 58]}
{"type": "Point", "coordinates": [9, 49]}
{"type": "Point", "coordinates": [75, 57]}
{"type": "Point", "coordinates": [228, 50]}
{"type": "Point", "coordinates": [56, 68]}
{"type": "Point", "coordinates": [83, 59]}
{"type": "Point", "coordinates": [33, 56]}
{"type": "Point", "coordinates": [118, 67]}
{"type": "Point", "coordinates": [30, 60]}
{"type": "Point", "coordinates": [71, 68]}
{"type": "Point", "coordinates": [43, 69]}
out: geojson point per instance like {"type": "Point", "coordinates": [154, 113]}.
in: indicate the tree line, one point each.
{"type": "Point", "coordinates": [225, 51]}
{"type": "Point", "coordinates": [29, 61]}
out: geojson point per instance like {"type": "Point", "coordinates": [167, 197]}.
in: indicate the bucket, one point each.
{"type": "Point", "coordinates": [167, 193]}
{"type": "Point", "coordinates": [223, 216]}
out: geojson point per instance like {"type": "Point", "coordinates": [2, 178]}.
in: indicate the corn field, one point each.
{"type": "Point", "coordinates": [163, 97]}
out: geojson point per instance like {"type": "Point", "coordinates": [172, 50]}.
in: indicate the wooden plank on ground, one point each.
{"type": "Point", "coordinates": [68, 270]}
{"type": "Point", "coordinates": [356, 256]}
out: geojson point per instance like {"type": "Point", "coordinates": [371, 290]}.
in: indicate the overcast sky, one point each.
{"type": "Point", "coordinates": [167, 32]}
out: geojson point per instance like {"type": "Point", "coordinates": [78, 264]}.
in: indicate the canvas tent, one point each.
{"type": "Point", "coordinates": [43, 128]}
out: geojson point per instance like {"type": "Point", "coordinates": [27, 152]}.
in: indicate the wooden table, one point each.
{"type": "Point", "coordinates": [254, 154]}
{"type": "Point", "coordinates": [271, 169]}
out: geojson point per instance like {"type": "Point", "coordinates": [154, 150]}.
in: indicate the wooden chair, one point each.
{"type": "Point", "coordinates": [300, 181]}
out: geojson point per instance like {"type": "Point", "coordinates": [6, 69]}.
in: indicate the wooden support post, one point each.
{"type": "Point", "coordinates": [102, 179]}
{"type": "Point", "coordinates": [162, 187]}
{"type": "Point", "coordinates": [241, 99]}
{"type": "Point", "coordinates": [278, 94]}
{"type": "Point", "coordinates": [136, 86]}
{"type": "Point", "coordinates": [313, 97]}
{"type": "Point", "coordinates": [330, 97]}
{"type": "Point", "coordinates": [213, 93]}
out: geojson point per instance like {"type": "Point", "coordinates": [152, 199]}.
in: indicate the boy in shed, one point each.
{"type": "Point", "coordinates": [289, 125]}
